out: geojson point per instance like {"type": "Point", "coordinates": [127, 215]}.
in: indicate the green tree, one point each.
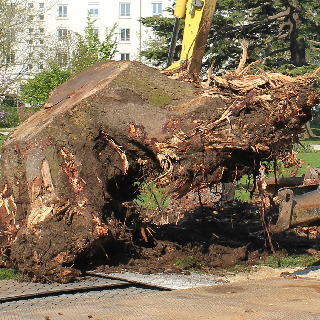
{"type": "Point", "coordinates": [17, 51]}
{"type": "Point", "coordinates": [84, 51]}
{"type": "Point", "coordinates": [90, 50]}
{"type": "Point", "coordinates": [284, 33]}
{"type": "Point", "coordinates": [157, 47]}
{"type": "Point", "coordinates": [108, 47]}
{"type": "Point", "coordinates": [12, 20]}
{"type": "Point", "coordinates": [36, 91]}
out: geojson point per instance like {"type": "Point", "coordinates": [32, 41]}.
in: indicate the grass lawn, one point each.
{"type": "Point", "coordinates": [291, 261]}
{"type": "Point", "coordinates": [312, 159]}
{"type": "Point", "coordinates": [308, 156]}
{"type": "Point", "coordinates": [315, 127]}
{"type": "Point", "coordinates": [2, 138]}
{"type": "Point", "coordinates": [8, 274]}
{"type": "Point", "coordinates": [316, 131]}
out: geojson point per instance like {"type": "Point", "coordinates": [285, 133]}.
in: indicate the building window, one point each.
{"type": "Point", "coordinates": [124, 9]}
{"type": "Point", "coordinates": [41, 5]}
{"type": "Point", "coordinates": [10, 58]}
{"type": "Point", "coordinates": [41, 30]}
{"type": "Point", "coordinates": [31, 17]}
{"type": "Point", "coordinates": [62, 34]}
{"type": "Point", "coordinates": [41, 66]}
{"type": "Point", "coordinates": [30, 30]}
{"type": "Point", "coordinates": [63, 11]}
{"type": "Point", "coordinates": [41, 17]}
{"type": "Point", "coordinates": [41, 55]}
{"type": "Point", "coordinates": [10, 33]}
{"type": "Point", "coordinates": [30, 66]}
{"type": "Point", "coordinates": [125, 56]}
{"type": "Point", "coordinates": [30, 5]}
{"type": "Point", "coordinates": [41, 41]}
{"type": "Point", "coordinates": [157, 9]}
{"type": "Point", "coordinates": [62, 59]}
{"type": "Point", "coordinates": [94, 12]}
{"type": "Point", "coordinates": [30, 41]}
{"type": "Point", "coordinates": [125, 34]}
{"type": "Point", "coordinates": [96, 32]}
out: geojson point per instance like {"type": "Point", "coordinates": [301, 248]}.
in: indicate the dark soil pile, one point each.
{"type": "Point", "coordinates": [70, 173]}
{"type": "Point", "coordinates": [214, 241]}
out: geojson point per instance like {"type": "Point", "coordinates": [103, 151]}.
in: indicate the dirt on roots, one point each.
{"type": "Point", "coordinates": [71, 172]}
{"type": "Point", "coordinates": [211, 240]}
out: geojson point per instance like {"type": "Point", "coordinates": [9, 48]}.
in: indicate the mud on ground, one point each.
{"type": "Point", "coordinates": [70, 170]}
{"type": "Point", "coordinates": [210, 240]}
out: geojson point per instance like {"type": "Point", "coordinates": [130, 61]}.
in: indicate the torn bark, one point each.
{"type": "Point", "coordinates": [69, 172]}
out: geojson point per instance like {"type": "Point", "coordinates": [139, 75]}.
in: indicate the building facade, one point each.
{"type": "Point", "coordinates": [62, 16]}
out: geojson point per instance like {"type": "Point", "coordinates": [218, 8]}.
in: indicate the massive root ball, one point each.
{"type": "Point", "coordinates": [69, 171]}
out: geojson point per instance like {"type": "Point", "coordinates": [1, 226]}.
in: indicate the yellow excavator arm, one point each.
{"type": "Point", "coordinates": [198, 18]}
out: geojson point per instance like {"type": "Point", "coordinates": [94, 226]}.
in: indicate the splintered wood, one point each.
{"type": "Point", "coordinates": [71, 171]}
{"type": "Point", "coordinates": [261, 119]}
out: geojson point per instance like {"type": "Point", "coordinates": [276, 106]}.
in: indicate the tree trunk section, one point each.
{"type": "Point", "coordinates": [70, 172]}
{"type": "Point", "coordinates": [297, 46]}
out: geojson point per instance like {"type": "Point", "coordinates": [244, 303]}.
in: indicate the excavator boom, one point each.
{"type": "Point", "coordinates": [198, 18]}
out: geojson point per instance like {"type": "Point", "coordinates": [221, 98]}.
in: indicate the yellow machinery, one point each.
{"type": "Point", "coordinates": [198, 18]}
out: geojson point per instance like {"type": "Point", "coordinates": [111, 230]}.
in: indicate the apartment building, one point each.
{"type": "Point", "coordinates": [56, 18]}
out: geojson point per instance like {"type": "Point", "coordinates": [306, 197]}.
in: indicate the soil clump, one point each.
{"type": "Point", "coordinates": [216, 241]}
{"type": "Point", "coordinates": [71, 172]}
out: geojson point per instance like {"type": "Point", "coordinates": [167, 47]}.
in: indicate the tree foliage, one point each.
{"type": "Point", "coordinates": [24, 45]}
{"type": "Point", "coordinates": [157, 47]}
{"type": "Point", "coordinates": [279, 32]}
{"type": "Point", "coordinates": [89, 48]}
{"type": "Point", "coordinates": [283, 33]}
{"type": "Point", "coordinates": [7, 85]}
{"type": "Point", "coordinates": [36, 91]}
{"type": "Point", "coordinates": [13, 16]}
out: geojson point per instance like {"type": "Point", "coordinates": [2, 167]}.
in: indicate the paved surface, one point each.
{"type": "Point", "coordinates": [276, 298]}
{"type": "Point", "coordinates": [14, 290]}
{"type": "Point", "coordinates": [315, 146]}
{"type": "Point", "coordinates": [165, 281]}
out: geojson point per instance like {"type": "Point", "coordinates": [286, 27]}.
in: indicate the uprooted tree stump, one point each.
{"type": "Point", "coordinates": [69, 172]}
